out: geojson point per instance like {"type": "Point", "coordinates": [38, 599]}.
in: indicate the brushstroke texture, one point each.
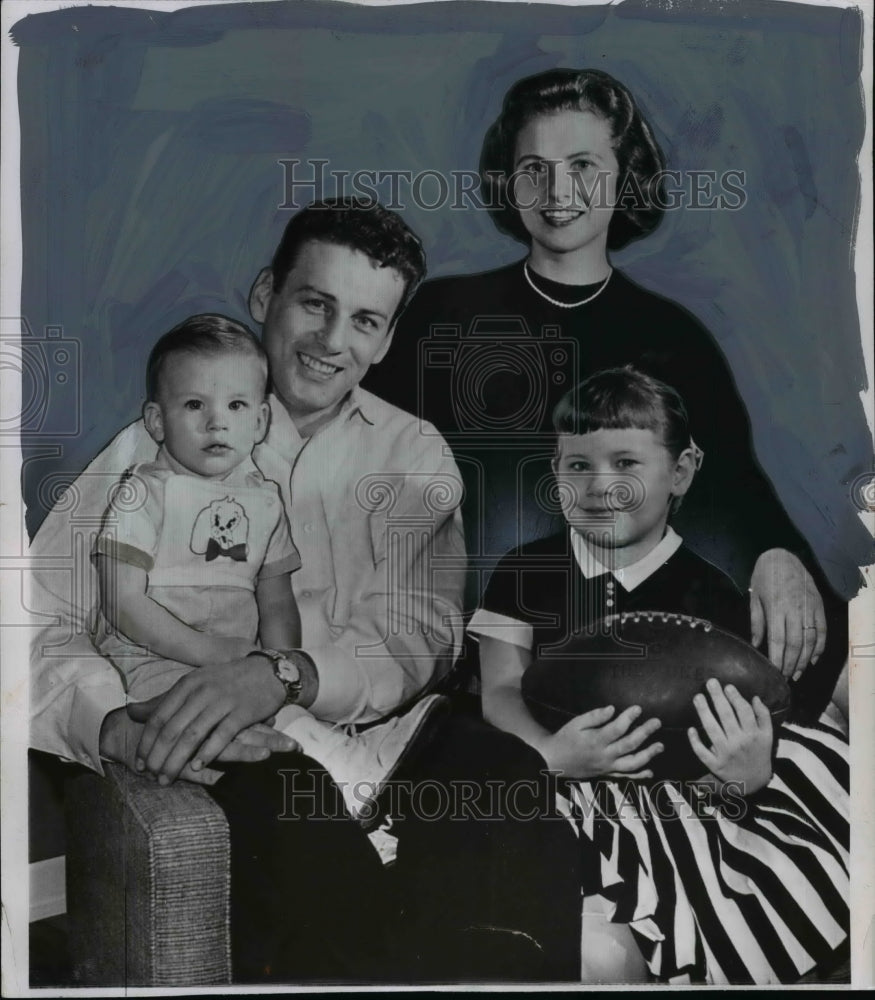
{"type": "Point", "coordinates": [150, 184]}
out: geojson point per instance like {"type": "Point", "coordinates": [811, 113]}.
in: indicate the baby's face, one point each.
{"type": "Point", "coordinates": [617, 486]}
{"type": "Point", "coordinates": [210, 412]}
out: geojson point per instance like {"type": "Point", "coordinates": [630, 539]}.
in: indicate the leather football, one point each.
{"type": "Point", "coordinates": [657, 660]}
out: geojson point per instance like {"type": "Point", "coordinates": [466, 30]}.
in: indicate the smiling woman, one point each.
{"type": "Point", "coordinates": [582, 143]}
{"type": "Point", "coordinates": [576, 174]}
{"type": "Point", "coordinates": [565, 187]}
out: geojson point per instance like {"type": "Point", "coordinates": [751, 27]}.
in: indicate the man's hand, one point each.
{"type": "Point", "coordinates": [196, 720]}
{"type": "Point", "coordinates": [120, 735]}
{"type": "Point", "coordinates": [592, 745]}
{"type": "Point", "coordinates": [741, 737]}
{"type": "Point", "coordinates": [786, 605]}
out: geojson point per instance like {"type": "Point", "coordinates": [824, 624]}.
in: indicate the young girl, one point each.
{"type": "Point", "coordinates": [571, 169]}
{"type": "Point", "coordinates": [713, 887]}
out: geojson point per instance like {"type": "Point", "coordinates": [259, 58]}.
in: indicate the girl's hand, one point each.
{"type": "Point", "coordinates": [594, 744]}
{"type": "Point", "coordinates": [740, 735]}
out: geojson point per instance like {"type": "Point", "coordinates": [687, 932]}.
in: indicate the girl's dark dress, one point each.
{"type": "Point", "coordinates": [752, 891]}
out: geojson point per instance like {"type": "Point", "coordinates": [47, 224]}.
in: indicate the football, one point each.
{"type": "Point", "coordinates": [659, 661]}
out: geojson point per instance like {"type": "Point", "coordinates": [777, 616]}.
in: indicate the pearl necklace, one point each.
{"type": "Point", "coordinates": [565, 305]}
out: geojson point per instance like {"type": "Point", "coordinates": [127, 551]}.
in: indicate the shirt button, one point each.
{"type": "Point", "coordinates": [306, 593]}
{"type": "Point", "coordinates": [609, 603]}
{"type": "Point", "coordinates": [308, 528]}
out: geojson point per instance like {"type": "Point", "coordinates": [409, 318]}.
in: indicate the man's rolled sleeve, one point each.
{"type": "Point", "coordinates": [344, 693]}
{"type": "Point", "coordinates": [91, 705]}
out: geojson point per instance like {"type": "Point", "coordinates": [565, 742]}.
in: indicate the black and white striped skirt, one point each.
{"type": "Point", "coordinates": [744, 891]}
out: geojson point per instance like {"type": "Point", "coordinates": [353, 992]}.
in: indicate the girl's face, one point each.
{"type": "Point", "coordinates": [565, 180]}
{"type": "Point", "coordinates": [617, 487]}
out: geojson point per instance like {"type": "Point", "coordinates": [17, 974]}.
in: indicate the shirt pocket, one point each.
{"type": "Point", "coordinates": [360, 551]}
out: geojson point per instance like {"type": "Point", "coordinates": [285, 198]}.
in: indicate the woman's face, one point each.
{"type": "Point", "coordinates": [565, 180]}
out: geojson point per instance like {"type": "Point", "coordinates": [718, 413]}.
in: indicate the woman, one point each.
{"type": "Point", "coordinates": [572, 169]}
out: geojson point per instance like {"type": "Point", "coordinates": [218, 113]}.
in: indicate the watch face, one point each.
{"type": "Point", "coordinates": [286, 670]}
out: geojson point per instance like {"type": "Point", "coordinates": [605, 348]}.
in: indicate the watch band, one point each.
{"type": "Point", "coordinates": [285, 671]}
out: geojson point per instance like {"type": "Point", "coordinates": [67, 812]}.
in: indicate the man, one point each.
{"type": "Point", "coordinates": [373, 504]}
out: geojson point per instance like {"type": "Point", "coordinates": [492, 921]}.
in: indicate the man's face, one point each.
{"type": "Point", "coordinates": [330, 321]}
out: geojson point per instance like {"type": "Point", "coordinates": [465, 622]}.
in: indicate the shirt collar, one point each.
{"type": "Point", "coordinates": [630, 576]}
{"type": "Point", "coordinates": [284, 436]}
{"type": "Point", "coordinates": [240, 475]}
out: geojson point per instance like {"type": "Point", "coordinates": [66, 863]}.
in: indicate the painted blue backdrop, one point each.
{"type": "Point", "coordinates": [150, 189]}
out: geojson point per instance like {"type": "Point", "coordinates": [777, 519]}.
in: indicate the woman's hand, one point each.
{"type": "Point", "coordinates": [595, 744]}
{"type": "Point", "coordinates": [786, 606]}
{"type": "Point", "coordinates": [741, 737]}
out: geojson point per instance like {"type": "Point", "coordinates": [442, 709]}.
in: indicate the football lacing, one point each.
{"type": "Point", "coordinates": [665, 617]}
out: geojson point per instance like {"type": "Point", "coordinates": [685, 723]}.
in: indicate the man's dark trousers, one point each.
{"type": "Point", "coordinates": [485, 886]}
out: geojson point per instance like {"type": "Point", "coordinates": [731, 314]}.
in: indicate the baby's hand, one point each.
{"type": "Point", "coordinates": [740, 735]}
{"type": "Point", "coordinates": [594, 744]}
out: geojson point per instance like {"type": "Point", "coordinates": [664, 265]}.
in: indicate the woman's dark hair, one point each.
{"type": "Point", "coordinates": [639, 184]}
{"type": "Point", "coordinates": [360, 224]}
{"type": "Point", "coordinates": [624, 398]}
{"type": "Point", "coordinates": [206, 334]}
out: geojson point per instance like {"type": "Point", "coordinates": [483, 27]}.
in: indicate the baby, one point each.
{"type": "Point", "coordinates": [195, 558]}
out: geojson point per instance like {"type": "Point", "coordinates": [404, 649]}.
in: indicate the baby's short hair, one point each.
{"type": "Point", "coordinates": [206, 334]}
{"type": "Point", "coordinates": [624, 398]}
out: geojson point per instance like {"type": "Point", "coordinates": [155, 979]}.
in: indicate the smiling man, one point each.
{"type": "Point", "coordinates": [325, 323]}
{"type": "Point", "coordinates": [373, 503]}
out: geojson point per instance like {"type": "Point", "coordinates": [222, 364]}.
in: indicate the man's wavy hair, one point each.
{"type": "Point", "coordinates": [637, 152]}
{"type": "Point", "coordinates": [360, 224]}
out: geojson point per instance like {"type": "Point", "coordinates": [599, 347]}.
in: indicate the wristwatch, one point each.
{"type": "Point", "coordinates": [286, 671]}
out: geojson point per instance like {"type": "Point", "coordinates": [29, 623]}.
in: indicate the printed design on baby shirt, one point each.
{"type": "Point", "coordinates": [222, 529]}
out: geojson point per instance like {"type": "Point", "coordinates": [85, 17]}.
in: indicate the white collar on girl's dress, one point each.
{"type": "Point", "coordinates": [630, 576]}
